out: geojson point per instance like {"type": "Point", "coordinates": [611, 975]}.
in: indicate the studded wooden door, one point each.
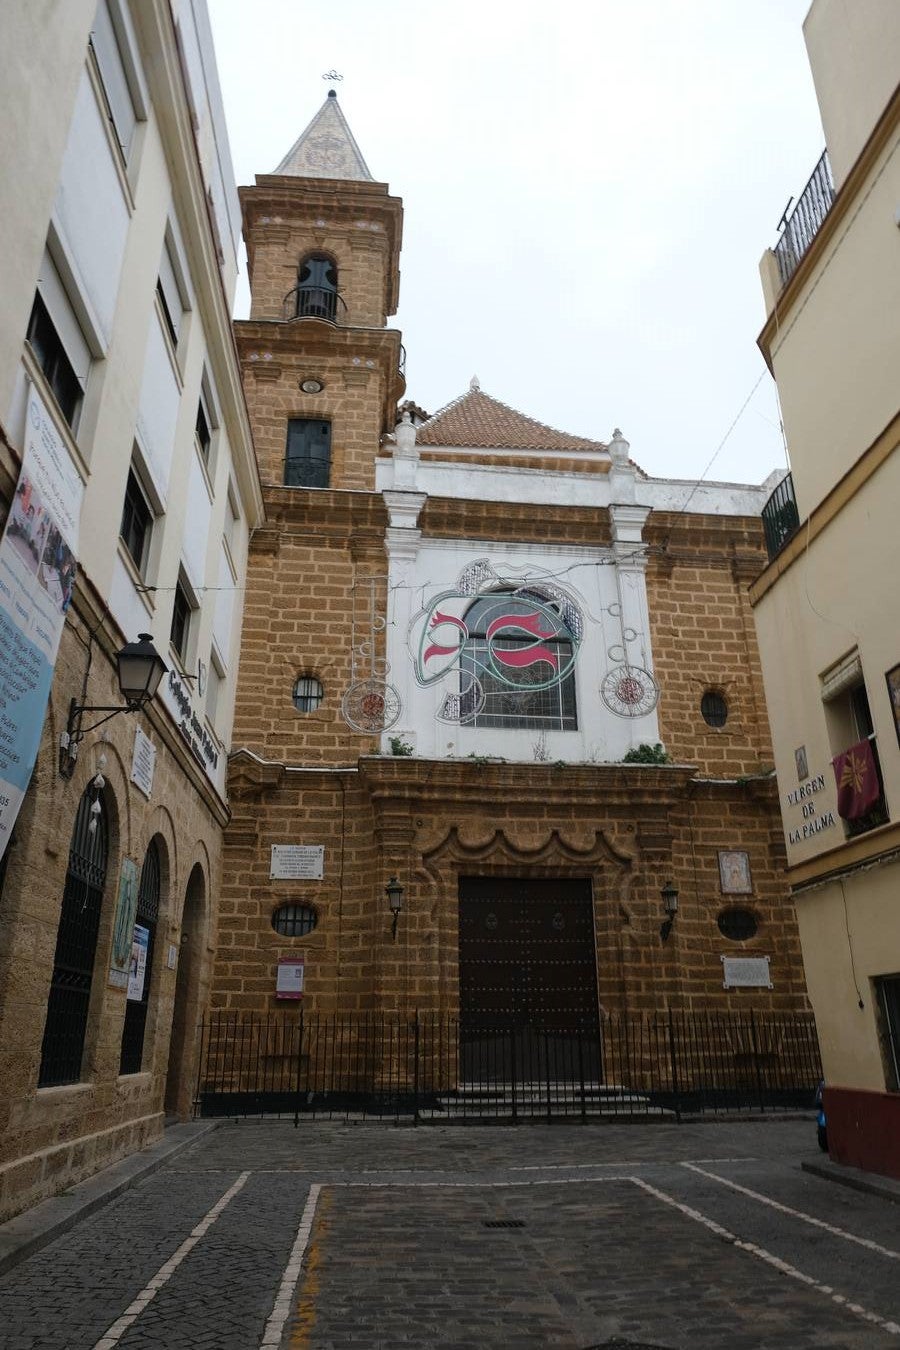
{"type": "Point", "coordinates": [527, 978]}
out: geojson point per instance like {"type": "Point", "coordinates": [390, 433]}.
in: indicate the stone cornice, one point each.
{"type": "Point", "coordinates": [592, 786]}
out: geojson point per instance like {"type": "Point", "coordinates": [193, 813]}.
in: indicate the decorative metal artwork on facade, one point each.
{"type": "Point", "coordinates": [370, 704]}
{"type": "Point", "coordinates": [629, 691]}
{"type": "Point", "coordinates": [525, 640]}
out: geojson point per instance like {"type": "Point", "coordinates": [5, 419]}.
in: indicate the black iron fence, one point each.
{"type": "Point", "coordinates": [802, 225]}
{"type": "Point", "coordinates": [432, 1068]}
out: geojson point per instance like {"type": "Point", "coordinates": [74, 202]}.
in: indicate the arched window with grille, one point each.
{"type": "Point", "coordinates": [317, 293]}
{"type": "Point", "coordinates": [146, 920]}
{"type": "Point", "coordinates": [76, 944]}
{"type": "Point", "coordinates": [518, 663]}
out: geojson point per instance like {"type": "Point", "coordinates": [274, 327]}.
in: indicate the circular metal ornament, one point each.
{"type": "Point", "coordinates": [312, 386]}
{"type": "Point", "coordinates": [371, 706]}
{"type": "Point", "coordinates": [629, 691]}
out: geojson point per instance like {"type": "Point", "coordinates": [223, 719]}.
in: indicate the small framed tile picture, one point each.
{"type": "Point", "coordinates": [734, 872]}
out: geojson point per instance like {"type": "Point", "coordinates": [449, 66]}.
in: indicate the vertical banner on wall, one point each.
{"type": "Point", "coordinates": [37, 577]}
{"type": "Point", "coordinates": [123, 928]}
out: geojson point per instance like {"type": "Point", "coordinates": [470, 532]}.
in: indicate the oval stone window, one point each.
{"type": "Point", "coordinates": [714, 709]}
{"type": "Point", "coordinates": [294, 920]}
{"type": "Point", "coordinates": [737, 924]}
{"type": "Point", "coordinates": [307, 693]}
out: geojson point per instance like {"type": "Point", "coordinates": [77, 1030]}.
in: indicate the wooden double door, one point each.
{"type": "Point", "coordinates": [527, 979]}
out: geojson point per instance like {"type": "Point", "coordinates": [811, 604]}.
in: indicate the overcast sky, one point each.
{"type": "Point", "coordinates": [588, 188]}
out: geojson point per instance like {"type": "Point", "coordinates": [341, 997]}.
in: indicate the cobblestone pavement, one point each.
{"type": "Point", "coordinates": [335, 1235]}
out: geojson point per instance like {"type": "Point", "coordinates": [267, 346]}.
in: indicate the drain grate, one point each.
{"type": "Point", "coordinates": [626, 1345]}
{"type": "Point", "coordinates": [503, 1223]}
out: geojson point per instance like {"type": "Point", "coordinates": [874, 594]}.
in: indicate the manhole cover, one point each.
{"type": "Point", "coordinates": [503, 1223]}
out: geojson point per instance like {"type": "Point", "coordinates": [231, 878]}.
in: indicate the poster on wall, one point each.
{"type": "Point", "coordinates": [140, 943]}
{"type": "Point", "coordinates": [289, 980]}
{"type": "Point", "coordinates": [37, 578]}
{"type": "Point", "coordinates": [123, 929]}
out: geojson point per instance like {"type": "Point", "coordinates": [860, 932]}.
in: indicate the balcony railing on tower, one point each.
{"type": "Point", "coordinates": [804, 222]}
{"type": "Point", "coordinates": [780, 517]}
{"type": "Point", "coordinates": [312, 302]}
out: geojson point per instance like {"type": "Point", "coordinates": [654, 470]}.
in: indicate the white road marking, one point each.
{"type": "Point", "coordinates": [797, 1213]}
{"type": "Point", "coordinates": [783, 1267]}
{"type": "Point", "coordinates": [285, 1297]}
{"type": "Point", "coordinates": [620, 1162]}
{"type": "Point", "coordinates": [114, 1334]}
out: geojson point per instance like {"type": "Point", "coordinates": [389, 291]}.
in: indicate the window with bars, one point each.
{"type": "Point", "coordinates": [308, 454]}
{"type": "Point", "coordinates": [62, 1048]}
{"type": "Point", "coordinates": [523, 678]}
{"type": "Point", "coordinates": [294, 920]}
{"type": "Point", "coordinates": [142, 948]}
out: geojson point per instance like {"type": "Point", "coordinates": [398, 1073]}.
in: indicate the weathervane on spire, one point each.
{"type": "Point", "coordinates": [332, 75]}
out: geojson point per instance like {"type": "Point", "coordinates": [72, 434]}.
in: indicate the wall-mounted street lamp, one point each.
{"type": "Point", "coordinates": [669, 895]}
{"type": "Point", "coordinates": [140, 668]}
{"type": "Point", "coordinates": [394, 892]}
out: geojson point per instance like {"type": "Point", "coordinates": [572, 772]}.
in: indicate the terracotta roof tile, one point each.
{"type": "Point", "coordinates": [477, 421]}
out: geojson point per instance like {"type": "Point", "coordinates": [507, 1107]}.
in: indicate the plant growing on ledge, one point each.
{"type": "Point", "coordinates": [399, 746]}
{"type": "Point", "coordinates": [647, 754]}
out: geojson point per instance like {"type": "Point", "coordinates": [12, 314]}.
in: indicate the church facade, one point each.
{"type": "Point", "coordinates": [500, 749]}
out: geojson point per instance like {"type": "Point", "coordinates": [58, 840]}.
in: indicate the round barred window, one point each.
{"type": "Point", "coordinates": [714, 709]}
{"type": "Point", "coordinates": [294, 920]}
{"type": "Point", "coordinates": [738, 925]}
{"type": "Point", "coordinates": [308, 693]}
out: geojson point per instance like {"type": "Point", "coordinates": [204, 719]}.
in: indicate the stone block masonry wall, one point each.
{"type": "Point", "coordinates": [356, 225]}
{"type": "Point", "coordinates": [703, 638]}
{"type": "Point", "coordinates": [360, 381]}
{"type": "Point", "coordinates": [52, 1137]}
{"type": "Point", "coordinates": [627, 829]}
{"type": "Point", "coordinates": [327, 808]}
{"type": "Point", "coordinates": [313, 572]}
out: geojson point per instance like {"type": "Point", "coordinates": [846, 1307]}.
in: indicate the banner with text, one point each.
{"type": "Point", "coordinates": [37, 578]}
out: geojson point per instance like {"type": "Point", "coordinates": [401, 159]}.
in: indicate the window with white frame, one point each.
{"type": "Point", "coordinates": [184, 607]}
{"type": "Point", "coordinates": [232, 518]}
{"type": "Point", "coordinates": [170, 290]}
{"type": "Point", "coordinates": [851, 731]}
{"type": "Point", "coordinates": [214, 684]}
{"type": "Point", "coordinates": [137, 522]}
{"type": "Point", "coordinates": [109, 46]}
{"type": "Point", "coordinates": [59, 345]}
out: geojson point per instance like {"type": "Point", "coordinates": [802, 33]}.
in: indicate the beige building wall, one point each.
{"type": "Point", "coordinates": [854, 52]}
{"type": "Point", "coordinates": [826, 607]}
{"type": "Point", "coordinates": [833, 333]}
{"type": "Point", "coordinates": [90, 207]}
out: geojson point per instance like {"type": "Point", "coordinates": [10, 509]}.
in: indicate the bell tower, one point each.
{"type": "Point", "coordinates": [322, 371]}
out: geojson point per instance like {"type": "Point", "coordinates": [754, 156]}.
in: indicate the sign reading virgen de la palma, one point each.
{"type": "Point", "coordinates": [37, 578]}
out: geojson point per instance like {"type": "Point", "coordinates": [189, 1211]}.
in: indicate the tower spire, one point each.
{"type": "Point", "coordinates": [326, 149]}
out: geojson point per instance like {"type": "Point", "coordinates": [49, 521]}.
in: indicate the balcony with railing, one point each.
{"type": "Point", "coordinates": [780, 517]}
{"type": "Point", "coordinates": [312, 302]}
{"type": "Point", "coordinates": [804, 222]}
